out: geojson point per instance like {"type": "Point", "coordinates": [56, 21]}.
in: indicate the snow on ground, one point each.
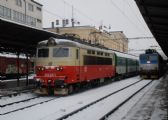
{"type": "Point", "coordinates": [99, 109]}
{"type": "Point", "coordinates": [152, 105]}
{"type": "Point", "coordinates": [22, 96]}
{"type": "Point", "coordinates": [23, 104]}
{"type": "Point", "coordinates": [61, 106]}
{"type": "Point", "coordinates": [123, 111]}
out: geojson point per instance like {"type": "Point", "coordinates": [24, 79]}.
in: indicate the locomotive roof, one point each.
{"type": "Point", "coordinates": [77, 44]}
{"type": "Point", "coordinates": [71, 43]}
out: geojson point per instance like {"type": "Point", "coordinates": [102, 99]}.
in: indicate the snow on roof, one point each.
{"type": "Point", "coordinates": [25, 25]}
{"type": "Point", "coordinates": [11, 55]}
{"type": "Point", "coordinates": [74, 44]}
{"type": "Point", "coordinates": [77, 44]}
{"type": "Point", "coordinates": [125, 55]}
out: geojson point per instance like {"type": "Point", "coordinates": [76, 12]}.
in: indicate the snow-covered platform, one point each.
{"type": "Point", "coordinates": [12, 83]}
{"type": "Point", "coordinates": [10, 87]}
{"type": "Point", "coordinates": [153, 105]}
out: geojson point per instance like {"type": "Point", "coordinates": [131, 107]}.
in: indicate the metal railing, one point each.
{"type": "Point", "coordinates": [19, 17]}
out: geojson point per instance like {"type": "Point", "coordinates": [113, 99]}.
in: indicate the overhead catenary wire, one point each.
{"type": "Point", "coordinates": [80, 12]}
{"type": "Point", "coordinates": [77, 10]}
{"type": "Point", "coordinates": [51, 13]}
{"type": "Point", "coordinates": [142, 25]}
{"type": "Point", "coordinates": [137, 27]}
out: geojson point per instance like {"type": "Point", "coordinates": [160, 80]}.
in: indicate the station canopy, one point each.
{"type": "Point", "coordinates": [155, 13]}
{"type": "Point", "coordinates": [15, 37]}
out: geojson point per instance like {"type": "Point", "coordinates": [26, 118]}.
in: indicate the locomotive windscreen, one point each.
{"type": "Point", "coordinates": [148, 58]}
{"type": "Point", "coordinates": [60, 52]}
{"type": "Point", "coordinates": [43, 52]}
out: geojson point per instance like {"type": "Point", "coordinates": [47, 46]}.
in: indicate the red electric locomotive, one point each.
{"type": "Point", "coordinates": [63, 66]}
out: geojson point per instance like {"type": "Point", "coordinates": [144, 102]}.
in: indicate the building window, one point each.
{"type": "Point", "coordinates": [30, 20]}
{"type": "Point", "coordinates": [19, 17]}
{"type": "Point", "coordinates": [30, 7]}
{"type": "Point", "coordinates": [38, 8]}
{"type": "Point", "coordinates": [1, 10]}
{"type": "Point", "coordinates": [19, 3]}
{"type": "Point", "coordinates": [5, 12]}
{"type": "Point", "coordinates": [38, 20]}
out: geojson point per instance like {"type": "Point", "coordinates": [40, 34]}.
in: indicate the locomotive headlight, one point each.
{"type": "Point", "coordinates": [49, 81]}
{"type": "Point", "coordinates": [57, 68]}
{"type": "Point", "coordinates": [39, 68]}
{"type": "Point", "coordinates": [37, 79]}
{"type": "Point", "coordinates": [42, 68]}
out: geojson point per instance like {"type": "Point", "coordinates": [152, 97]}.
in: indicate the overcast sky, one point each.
{"type": "Point", "coordinates": [121, 15]}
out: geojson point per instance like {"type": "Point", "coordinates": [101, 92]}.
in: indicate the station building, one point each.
{"type": "Point", "coordinates": [27, 12]}
{"type": "Point", "coordinates": [115, 40]}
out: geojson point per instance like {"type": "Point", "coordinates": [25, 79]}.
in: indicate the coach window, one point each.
{"type": "Point", "coordinates": [43, 52]}
{"type": "Point", "coordinates": [60, 52]}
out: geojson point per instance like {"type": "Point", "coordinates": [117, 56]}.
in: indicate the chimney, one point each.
{"type": "Point", "coordinates": [52, 25]}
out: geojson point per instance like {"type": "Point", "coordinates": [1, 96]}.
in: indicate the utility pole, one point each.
{"type": "Point", "coordinates": [72, 20]}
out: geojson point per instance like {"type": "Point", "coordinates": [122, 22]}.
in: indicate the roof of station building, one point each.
{"type": "Point", "coordinates": [155, 13]}
{"type": "Point", "coordinates": [16, 37]}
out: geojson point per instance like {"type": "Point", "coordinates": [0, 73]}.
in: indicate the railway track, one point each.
{"type": "Point", "coordinates": [75, 112]}
{"type": "Point", "coordinates": [13, 92]}
{"type": "Point", "coordinates": [19, 101]}
{"type": "Point", "coordinates": [23, 104]}
{"type": "Point", "coordinates": [65, 105]}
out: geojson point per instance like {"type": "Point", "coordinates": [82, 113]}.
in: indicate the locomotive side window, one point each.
{"type": "Point", "coordinates": [60, 52]}
{"type": "Point", "coordinates": [93, 60]}
{"type": "Point", "coordinates": [43, 52]}
{"type": "Point", "coordinates": [77, 54]}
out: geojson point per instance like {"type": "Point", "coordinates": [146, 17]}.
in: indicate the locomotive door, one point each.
{"type": "Point", "coordinates": [78, 67]}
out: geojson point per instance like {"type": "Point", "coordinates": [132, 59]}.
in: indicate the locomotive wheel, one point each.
{"type": "Point", "coordinates": [70, 89]}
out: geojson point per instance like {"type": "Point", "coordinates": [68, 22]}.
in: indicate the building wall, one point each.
{"type": "Point", "coordinates": [22, 13]}
{"type": "Point", "coordinates": [121, 39]}
{"type": "Point", "coordinates": [112, 40]}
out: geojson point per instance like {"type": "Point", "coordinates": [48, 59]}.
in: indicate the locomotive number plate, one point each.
{"type": "Point", "coordinates": [50, 75]}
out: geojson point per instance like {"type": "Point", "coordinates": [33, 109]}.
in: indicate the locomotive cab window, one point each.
{"type": "Point", "coordinates": [60, 52]}
{"type": "Point", "coordinates": [153, 58]}
{"type": "Point", "coordinates": [44, 52]}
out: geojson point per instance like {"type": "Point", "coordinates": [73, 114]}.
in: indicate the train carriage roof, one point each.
{"type": "Point", "coordinates": [125, 55]}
